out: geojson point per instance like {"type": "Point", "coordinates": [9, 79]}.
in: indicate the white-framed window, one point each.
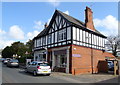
{"type": "Point", "coordinates": [40, 41]}
{"type": "Point", "coordinates": [44, 41]}
{"type": "Point", "coordinates": [62, 35]}
{"type": "Point", "coordinates": [69, 33]}
{"type": "Point", "coordinates": [52, 37]}
{"type": "Point", "coordinates": [49, 39]}
{"type": "Point", "coordinates": [38, 44]}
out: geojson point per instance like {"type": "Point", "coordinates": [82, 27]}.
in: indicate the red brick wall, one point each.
{"type": "Point", "coordinates": [82, 64]}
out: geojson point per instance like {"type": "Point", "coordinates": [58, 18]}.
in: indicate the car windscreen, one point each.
{"type": "Point", "coordinates": [43, 64]}
{"type": "Point", "coordinates": [15, 61]}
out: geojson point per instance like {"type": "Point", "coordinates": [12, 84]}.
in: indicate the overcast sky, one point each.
{"type": "Point", "coordinates": [22, 21]}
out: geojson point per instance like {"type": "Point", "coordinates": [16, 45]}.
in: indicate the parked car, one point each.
{"type": "Point", "coordinates": [6, 60]}
{"type": "Point", "coordinates": [13, 63]}
{"type": "Point", "coordinates": [2, 59]}
{"type": "Point", "coordinates": [110, 65]}
{"type": "Point", "coordinates": [38, 67]}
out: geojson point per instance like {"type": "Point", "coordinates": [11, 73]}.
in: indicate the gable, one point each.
{"type": "Point", "coordinates": [60, 20]}
{"type": "Point", "coordinates": [57, 22]}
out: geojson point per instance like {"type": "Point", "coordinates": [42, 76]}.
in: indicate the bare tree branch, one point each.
{"type": "Point", "coordinates": [113, 44]}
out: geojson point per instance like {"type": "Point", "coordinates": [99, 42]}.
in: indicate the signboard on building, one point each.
{"type": "Point", "coordinates": [76, 55]}
{"type": "Point", "coordinates": [60, 52]}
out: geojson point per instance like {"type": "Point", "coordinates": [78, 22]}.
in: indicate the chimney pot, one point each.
{"type": "Point", "coordinates": [46, 25]}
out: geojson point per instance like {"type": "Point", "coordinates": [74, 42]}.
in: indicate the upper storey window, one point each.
{"type": "Point", "coordinates": [44, 41]}
{"type": "Point", "coordinates": [49, 38]}
{"type": "Point", "coordinates": [62, 35]}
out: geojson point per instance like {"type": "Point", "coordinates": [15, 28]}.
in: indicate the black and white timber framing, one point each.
{"type": "Point", "coordinates": [66, 30]}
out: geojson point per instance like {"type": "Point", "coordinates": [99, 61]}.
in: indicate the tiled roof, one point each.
{"type": "Point", "coordinates": [76, 21]}
{"type": "Point", "coordinates": [71, 20]}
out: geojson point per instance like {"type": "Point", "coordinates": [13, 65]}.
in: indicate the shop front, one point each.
{"type": "Point", "coordinates": [60, 59]}
{"type": "Point", "coordinates": [40, 55]}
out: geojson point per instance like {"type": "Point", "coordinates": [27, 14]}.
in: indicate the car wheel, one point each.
{"type": "Point", "coordinates": [34, 73]}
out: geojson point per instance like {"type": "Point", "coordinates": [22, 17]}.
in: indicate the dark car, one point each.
{"type": "Point", "coordinates": [13, 63]}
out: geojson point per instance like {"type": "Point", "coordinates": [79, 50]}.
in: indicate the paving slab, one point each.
{"type": "Point", "coordinates": [88, 78]}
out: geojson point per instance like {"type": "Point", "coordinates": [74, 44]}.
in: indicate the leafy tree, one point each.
{"type": "Point", "coordinates": [19, 48]}
{"type": "Point", "coordinates": [7, 52]}
{"type": "Point", "coordinates": [113, 44]}
{"type": "Point", "coordinates": [29, 45]}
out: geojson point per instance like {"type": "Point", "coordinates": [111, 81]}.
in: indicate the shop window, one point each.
{"type": "Point", "coordinates": [63, 61]}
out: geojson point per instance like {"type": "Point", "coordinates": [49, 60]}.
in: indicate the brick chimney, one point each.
{"type": "Point", "coordinates": [89, 19]}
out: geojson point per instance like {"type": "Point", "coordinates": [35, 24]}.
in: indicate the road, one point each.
{"type": "Point", "coordinates": [17, 75]}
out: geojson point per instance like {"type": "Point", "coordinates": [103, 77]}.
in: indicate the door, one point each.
{"type": "Point", "coordinates": [29, 67]}
{"type": "Point", "coordinates": [33, 66]}
{"type": "Point", "coordinates": [56, 60]}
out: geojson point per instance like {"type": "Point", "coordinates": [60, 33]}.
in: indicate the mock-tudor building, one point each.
{"type": "Point", "coordinates": [71, 45]}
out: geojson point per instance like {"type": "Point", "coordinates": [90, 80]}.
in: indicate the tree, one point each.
{"type": "Point", "coordinates": [19, 48]}
{"type": "Point", "coordinates": [113, 44]}
{"type": "Point", "coordinates": [29, 45]}
{"type": "Point", "coordinates": [7, 52]}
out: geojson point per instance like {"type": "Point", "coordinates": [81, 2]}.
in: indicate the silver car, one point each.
{"type": "Point", "coordinates": [6, 60]}
{"type": "Point", "coordinates": [13, 63]}
{"type": "Point", "coordinates": [38, 67]}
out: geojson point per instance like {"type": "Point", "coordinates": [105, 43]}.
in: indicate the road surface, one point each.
{"type": "Point", "coordinates": [17, 75]}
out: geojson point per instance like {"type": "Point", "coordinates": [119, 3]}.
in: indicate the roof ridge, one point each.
{"type": "Point", "coordinates": [71, 16]}
{"type": "Point", "coordinates": [77, 21]}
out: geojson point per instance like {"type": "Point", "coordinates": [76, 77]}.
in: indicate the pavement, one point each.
{"type": "Point", "coordinates": [87, 78]}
